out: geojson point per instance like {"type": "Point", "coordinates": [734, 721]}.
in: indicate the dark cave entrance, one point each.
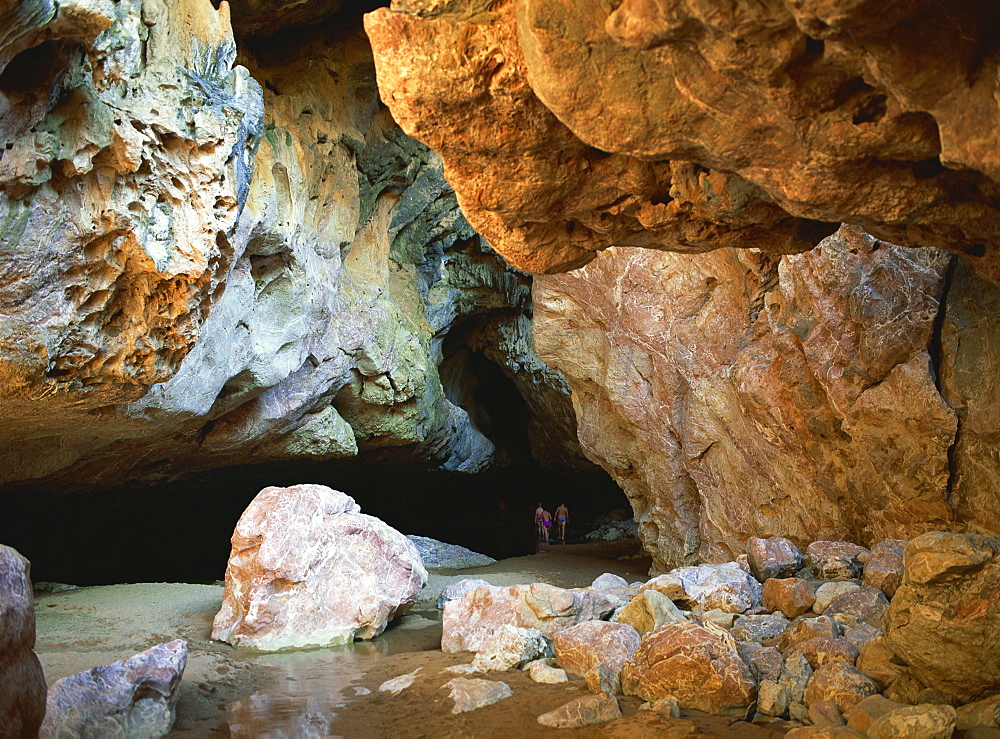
{"type": "Point", "coordinates": [179, 532]}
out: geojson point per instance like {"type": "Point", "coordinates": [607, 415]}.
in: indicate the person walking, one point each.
{"type": "Point", "coordinates": [546, 524]}
{"type": "Point", "coordinates": [542, 531]}
{"type": "Point", "coordinates": [562, 518]}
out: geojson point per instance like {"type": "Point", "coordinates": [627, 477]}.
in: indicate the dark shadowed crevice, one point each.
{"type": "Point", "coordinates": [936, 351]}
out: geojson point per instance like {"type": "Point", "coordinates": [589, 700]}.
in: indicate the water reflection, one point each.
{"type": "Point", "coordinates": [310, 686]}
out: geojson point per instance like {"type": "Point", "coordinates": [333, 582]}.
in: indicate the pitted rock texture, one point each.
{"type": "Point", "coordinates": [470, 621]}
{"type": "Point", "coordinates": [22, 683]}
{"type": "Point", "coordinates": [691, 126]}
{"type": "Point", "coordinates": [134, 697]}
{"type": "Point", "coordinates": [943, 624]}
{"type": "Point", "coordinates": [841, 394]}
{"type": "Point", "coordinates": [308, 569]}
{"type": "Point", "coordinates": [696, 663]}
{"type": "Point", "coordinates": [209, 263]}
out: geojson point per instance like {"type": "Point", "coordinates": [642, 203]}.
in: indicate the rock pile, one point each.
{"type": "Point", "coordinates": [308, 569]}
{"type": "Point", "coordinates": [879, 643]}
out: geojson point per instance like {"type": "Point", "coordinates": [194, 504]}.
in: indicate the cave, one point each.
{"type": "Point", "coordinates": [312, 315]}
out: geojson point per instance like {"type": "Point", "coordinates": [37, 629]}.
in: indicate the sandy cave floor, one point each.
{"type": "Point", "coordinates": [315, 692]}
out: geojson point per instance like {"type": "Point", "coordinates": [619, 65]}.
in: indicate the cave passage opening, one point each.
{"type": "Point", "coordinates": [180, 531]}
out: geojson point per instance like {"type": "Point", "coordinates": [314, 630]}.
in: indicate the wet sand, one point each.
{"type": "Point", "coordinates": [322, 692]}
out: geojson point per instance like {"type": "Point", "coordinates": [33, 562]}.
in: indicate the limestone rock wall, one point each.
{"type": "Point", "coordinates": [212, 256]}
{"type": "Point", "coordinates": [570, 126]}
{"type": "Point", "coordinates": [843, 393]}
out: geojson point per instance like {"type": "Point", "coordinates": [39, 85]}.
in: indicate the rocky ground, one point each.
{"type": "Point", "coordinates": [81, 628]}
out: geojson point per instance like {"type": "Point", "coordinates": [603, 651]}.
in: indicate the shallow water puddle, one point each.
{"type": "Point", "coordinates": [309, 687]}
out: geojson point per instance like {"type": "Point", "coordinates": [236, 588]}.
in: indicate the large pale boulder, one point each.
{"type": "Point", "coordinates": [470, 621]}
{"type": "Point", "coordinates": [309, 569]}
{"type": "Point", "coordinates": [726, 586]}
{"type": "Point", "coordinates": [469, 694]}
{"type": "Point", "coordinates": [510, 647]}
{"type": "Point", "coordinates": [582, 647]}
{"type": "Point", "coordinates": [585, 711]}
{"type": "Point", "coordinates": [134, 697]}
{"type": "Point", "coordinates": [22, 684]}
{"type": "Point", "coordinates": [943, 623]}
{"type": "Point", "coordinates": [696, 663]}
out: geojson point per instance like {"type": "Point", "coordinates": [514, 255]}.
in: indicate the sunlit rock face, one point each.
{"type": "Point", "coordinates": [216, 257]}
{"type": "Point", "coordinates": [837, 394]}
{"type": "Point", "coordinates": [571, 126]}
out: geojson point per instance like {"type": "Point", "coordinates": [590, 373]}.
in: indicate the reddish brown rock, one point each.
{"type": "Point", "coordinates": [696, 663]}
{"type": "Point", "coordinates": [841, 683]}
{"type": "Point", "coordinates": [471, 620]}
{"type": "Point", "coordinates": [309, 569]}
{"type": "Point", "coordinates": [861, 715]}
{"type": "Point", "coordinates": [821, 652]}
{"type": "Point", "coordinates": [836, 560]}
{"type": "Point", "coordinates": [775, 557]}
{"type": "Point", "coordinates": [648, 610]}
{"type": "Point", "coordinates": [825, 713]}
{"type": "Point", "coordinates": [944, 621]}
{"type": "Point", "coordinates": [22, 684]}
{"type": "Point", "coordinates": [789, 595]}
{"type": "Point", "coordinates": [884, 568]}
{"type": "Point", "coordinates": [821, 627]}
{"type": "Point", "coordinates": [876, 660]}
{"type": "Point", "coordinates": [867, 605]}
{"type": "Point", "coordinates": [739, 343]}
{"type": "Point", "coordinates": [584, 646]}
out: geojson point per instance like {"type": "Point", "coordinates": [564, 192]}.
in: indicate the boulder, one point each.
{"type": "Point", "coordinates": [979, 713]}
{"type": "Point", "coordinates": [808, 628]}
{"type": "Point", "coordinates": [884, 568]}
{"type": "Point", "coordinates": [836, 560]}
{"type": "Point", "coordinates": [457, 589]}
{"type": "Point", "coordinates": [616, 589]}
{"type": "Point", "coordinates": [696, 663]}
{"type": "Point", "coordinates": [860, 716]}
{"type": "Point", "coordinates": [926, 721]}
{"type": "Point", "coordinates": [468, 622]}
{"type": "Point", "coordinates": [861, 634]}
{"type": "Point", "coordinates": [470, 693]}
{"type": "Point", "coordinates": [542, 672]}
{"type": "Point", "coordinates": [669, 707]}
{"type": "Point", "coordinates": [22, 684]}
{"type": "Point", "coordinates": [582, 647]}
{"type": "Point", "coordinates": [760, 629]}
{"type": "Point", "coordinates": [434, 553]}
{"type": "Point", "coordinates": [825, 713]}
{"type": "Point", "coordinates": [867, 605]}
{"type": "Point", "coordinates": [719, 618]}
{"type": "Point", "coordinates": [776, 557]}
{"type": "Point", "coordinates": [134, 697]}
{"type": "Point", "coordinates": [773, 698]}
{"type": "Point", "coordinates": [795, 676]}
{"type": "Point", "coordinates": [878, 662]}
{"type": "Point", "coordinates": [944, 620]}
{"type": "Point", "coordinates": [509, 647]}
{"type": "Point", "coordinates": [765, 663]}
{"type": "Point", "coordinates": [608, 581]}
{"type": "Point", "coordinates": [790, 595]}
{"type": "Point", "coordinates": [585, 711]}
{"type": "Point", "coordinates": [308, 569]}
{"type": "Point", "coordinates": [841, 683]}
{"type": "Point", "coordinates": [726, 586]}
{"type": "Point", "coordinates": [603, 679]}
{"type": "Point", "coordinates": [821, 651]}
{"type": "Point", "coordinates": [648, 610]}
{"type": "Point", "coordinates": [830, 591]}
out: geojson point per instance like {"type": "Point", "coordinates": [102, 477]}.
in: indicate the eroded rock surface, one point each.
{"type": "Point", "coordinates": [308, 569]}
{"type": "Point", "coordinates": [711, 387]}
{"type": "Point", "coordinates": [694, 126]}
